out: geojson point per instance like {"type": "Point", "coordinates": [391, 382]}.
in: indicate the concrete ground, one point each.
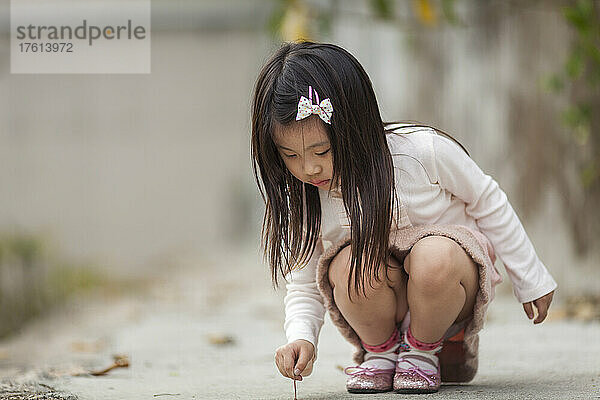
{"type": "Point", "coordinates": [208, 330]}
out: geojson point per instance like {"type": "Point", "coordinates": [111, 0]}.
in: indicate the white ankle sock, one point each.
{"type": "Point", "coordinates": [382, 360]}
{"type": "Point", "coordinates": [424, 359]}
{"type": "Point", "coordinates": [383, 356]}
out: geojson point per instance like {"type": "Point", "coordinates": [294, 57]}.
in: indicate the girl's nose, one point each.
{"type": "Point", "coordinates": [312, 168]}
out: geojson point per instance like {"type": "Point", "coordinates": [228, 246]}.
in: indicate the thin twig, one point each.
{"type": "Point", "coordinates": [47, 386]}
{"type": "Point", "coordinates": [295, 398]}
{"type": "Point", "coordinates": [119, 362]}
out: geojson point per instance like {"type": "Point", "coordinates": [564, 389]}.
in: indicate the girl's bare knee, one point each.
{"type": "Point", "coordinates": [431, 262]}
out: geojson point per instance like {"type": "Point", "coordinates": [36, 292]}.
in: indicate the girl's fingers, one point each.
{"type": "Point", "coordinates": [542, 308]}
{"type": "Point", "coordinates": [304, 358]}
{"type": "Point", "coordinates": [528, 310]}
{"type": "Point", "coordinates": [285, 359]}
{"type": "Point", "coordinates": [280, 364]}
{"type": "Point", "coordinates": [288, 362]}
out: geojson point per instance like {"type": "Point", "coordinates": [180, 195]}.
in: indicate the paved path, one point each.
{"type": "Point", "coordinates": [168, 330]}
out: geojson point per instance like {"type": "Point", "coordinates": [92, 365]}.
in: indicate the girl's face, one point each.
{"type": "Point", "coordinates": [306, 151]}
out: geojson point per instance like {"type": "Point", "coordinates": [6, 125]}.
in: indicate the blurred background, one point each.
{"type": "Point", "coordinates": [113, 178]}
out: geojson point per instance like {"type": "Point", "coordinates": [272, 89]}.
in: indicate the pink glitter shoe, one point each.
{"type": "Point", "coordinates": [369, 379]}
{"type": "Point", "coordinates": [415, 379]}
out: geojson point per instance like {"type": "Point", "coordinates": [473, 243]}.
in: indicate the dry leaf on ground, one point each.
{"type": "Point", "coordinates": [220, 339]}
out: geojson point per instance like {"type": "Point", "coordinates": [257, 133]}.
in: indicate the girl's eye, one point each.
{"type": "Point", "coordinates": [289, 155]}
{"type": "Point", "coordinates": [323, 153]}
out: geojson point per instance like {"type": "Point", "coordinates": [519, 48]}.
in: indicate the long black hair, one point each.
{"type": "Point", "coordinates": [361, 159]}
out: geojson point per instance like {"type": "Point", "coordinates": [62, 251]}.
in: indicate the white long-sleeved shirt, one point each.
{"type": "Point", "coordinates": [436, 183]}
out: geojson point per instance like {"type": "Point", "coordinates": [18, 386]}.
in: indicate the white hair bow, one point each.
{"type": "Point", "coordinates": [306, 107]}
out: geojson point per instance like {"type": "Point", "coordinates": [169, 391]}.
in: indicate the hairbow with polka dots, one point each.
{"type": "Point", "coordinates": [323, 109]}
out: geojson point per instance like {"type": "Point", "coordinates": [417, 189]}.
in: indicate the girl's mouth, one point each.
{"type": "Point", "coordinates": [320, 183]}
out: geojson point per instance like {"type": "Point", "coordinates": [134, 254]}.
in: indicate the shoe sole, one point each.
{"type": "Point", "coordinates": [366, 391]}
{"type": "Point", "coordinates": [415, 391]}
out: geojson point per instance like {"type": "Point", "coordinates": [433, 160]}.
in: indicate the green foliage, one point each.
{"type": "Point", "coordinates": [33, 280]}
{"type": "Point", "coordinates": [383, 9]}
{"type": "Point", "coordinates": [450, 13]}
{"type": "Point", "coordinates": [26, 248]}
{"type": "Point", "coordinates": [577, 116]}
{"type": "Point", "coordinates": [324, 22]}
{"type": "Point", "coordinates": [589, 174]}
{"type": "Point", "coordinates": [276, 18]}
{"type": "Point", "coordinates": [553, 83]}
{"type": "Point", "coordinates": [582, 68]}
{"type": "Point", "coordinates": [583, 18]}
{"type": "Point", "coordinates": [64, 280]}
{"type": "Point", "coordinates": [580, 16]}
{"type": "Point", "coordinates": [574, 64]}
{"type": "Point", "coordinates": [322, 15]}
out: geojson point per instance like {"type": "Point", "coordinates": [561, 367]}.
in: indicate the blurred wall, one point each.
{"type": "Point", "coordinates": [126, 169]}
{"type": "Point", "coordinates": [123, 168]}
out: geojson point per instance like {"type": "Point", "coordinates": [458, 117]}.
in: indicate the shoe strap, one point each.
{"type": "Point", "coordinates": [407, 356]}
{"type": "Point", "coordinates": [371, 371]}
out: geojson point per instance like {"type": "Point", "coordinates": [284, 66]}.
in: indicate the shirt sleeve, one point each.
{"type": "Point", "coordinates": [304, 305]}
{"type": "Point", "coordinates": [495, 217]}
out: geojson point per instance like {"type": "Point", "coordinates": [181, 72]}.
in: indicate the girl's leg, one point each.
{"type": "Point", "coordinates": [374, 316]}
{"type": "Point", "coordinates": [442, 286]}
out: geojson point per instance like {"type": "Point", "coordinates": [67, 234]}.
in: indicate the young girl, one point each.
{"type": "Point", "coordinates": [391, 227]}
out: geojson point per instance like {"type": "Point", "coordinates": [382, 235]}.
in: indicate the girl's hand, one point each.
{"type": "Point", "coordinates": [542, 304]}
{"type": "Point", "coordinates": [295, 359]}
